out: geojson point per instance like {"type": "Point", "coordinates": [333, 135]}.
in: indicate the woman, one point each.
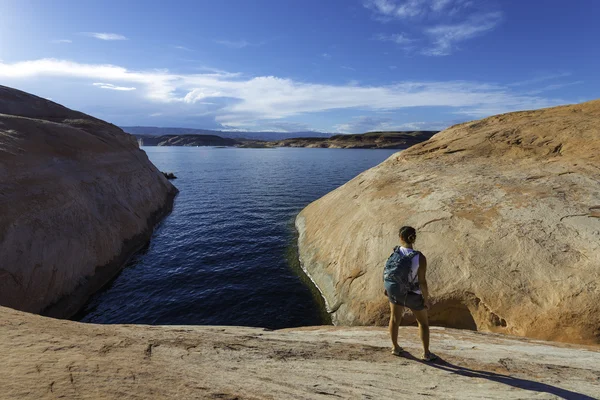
{"type": "Point", "coordinates": [417, 299]}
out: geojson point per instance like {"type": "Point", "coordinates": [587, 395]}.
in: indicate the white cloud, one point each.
{"type": "Point", "coordinates": [439, 24]}
{"type": "Point", "coordinates": [541, 78]}
{"type": "Point", "coordinates": [364, 123]}
{"type": "Point", "coordinates": [105, 36]}
{"type": "Point", "coordinates": [182, 48]}
{"type": "Point", "coordinates": [554, 86]}
{"type": "Point", "coordinates": [407, 9]}
{"type": "Point", "coordinates": [237, 44]}
{"type": "Point", "coordinates": [61, 41]}
{"type": "Point", "coordinates": [348, 68]}
{"type": "Point", "coordinates": [241, 101]}
{"type": "Point", "coordinates": [400, 39]}
{"type": "Point", "coordinates": [326, 56]}
{"type": "Point", "coordinates": [394, 9]}
{"type": "Point", "coordinates": [112, 87]}
{"type": "Point", "coordinates": [446, 37]}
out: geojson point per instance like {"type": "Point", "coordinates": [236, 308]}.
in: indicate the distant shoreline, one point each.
{"type": "Point", "coordinates": [370, 140]}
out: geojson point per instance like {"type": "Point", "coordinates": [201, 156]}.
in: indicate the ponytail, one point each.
{"type": "Point", "coordinates": [408, 234]}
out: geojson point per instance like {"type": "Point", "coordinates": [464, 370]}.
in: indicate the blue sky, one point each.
{"type": "Point", "coordinates": [329, 65]}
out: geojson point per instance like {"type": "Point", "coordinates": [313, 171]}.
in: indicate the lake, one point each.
{"type": "Point", "coordinates": [227, 253]}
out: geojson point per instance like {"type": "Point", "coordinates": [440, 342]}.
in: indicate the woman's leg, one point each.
{"type": "Point", "coordinates": [423, 322]}
{"type": "Point", "coordinates": [396, 312]}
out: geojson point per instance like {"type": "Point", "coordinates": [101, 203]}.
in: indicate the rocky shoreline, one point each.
{"type": "Point", "coordinates": [506, 210]}
{"type": "Point", "coordinates": [82, 198]}
{"type": "Point", "coordinates": [70, 304]}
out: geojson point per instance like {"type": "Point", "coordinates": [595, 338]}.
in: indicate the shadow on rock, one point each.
{"type": "Point", "coordinates": [505, 379]}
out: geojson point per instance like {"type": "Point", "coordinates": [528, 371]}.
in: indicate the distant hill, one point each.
{"type": "Point", "coordinates": [269, 136]}
{"type": "Point", "coordinates": [185, 140]}
{"type": "Point", "coordinates": [369, 140]}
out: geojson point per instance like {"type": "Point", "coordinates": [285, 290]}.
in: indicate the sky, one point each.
{"type": "Point", "coordinates": [340, 66]}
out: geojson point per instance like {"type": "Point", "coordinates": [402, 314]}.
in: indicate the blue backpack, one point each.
{"type": "Point", "coordinates": [396, 274]}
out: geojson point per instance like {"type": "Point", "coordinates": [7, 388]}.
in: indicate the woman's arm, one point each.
{"type": "Point", "coordinates": [423, 279]}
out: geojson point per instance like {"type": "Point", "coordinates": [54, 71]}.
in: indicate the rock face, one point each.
{"type": "Point", "coordinates": [507, 211]}
{"type": "Point", "coordinates": [43, 358]}
{"type": "Point", "coordinates": [78, 198]}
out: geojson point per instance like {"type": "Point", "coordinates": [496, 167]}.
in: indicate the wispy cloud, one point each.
{"type": "Point", "coordinates": [112, 87]}
{"type": "Point", "coordinates": [555, 86]}
{"type": "Point", "coordinates": [241, 101]}
{"type": "Point", "coordinates": [394, 9]}
{"type": "Point", "coordinates": [541, 78]}
{"type": "Point", "coordinates": [61, 41]}
{"type": "Point", "coordinates": [348, 68]}
{"type": "Point", "coordinates": [445, 38]}
{"type": "Point", "coordinates": [105, 36]}
{"type": "Point", "coordinates": [365, 123]}
{"type": "Point", "coordinates": [400, 39]}
{"type": "Point", "coordinates": [387, 10]}
{"type": "Point", "coordinates": [182, 48]}
{"type": "Point", "coordinates": [439, 26]}
{"type": "Point", "coordinates": [238, 44]}
{"type": "Point", "coordinates": [327, 56]}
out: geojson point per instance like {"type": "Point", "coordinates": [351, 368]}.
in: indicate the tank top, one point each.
{"type": "Point", "coordinates": [414, 268]}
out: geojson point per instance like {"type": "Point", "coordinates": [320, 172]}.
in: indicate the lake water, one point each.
{"type": "Point", "coordinates": [226, 255]}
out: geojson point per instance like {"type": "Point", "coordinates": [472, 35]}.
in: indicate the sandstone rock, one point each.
{"type": "Point", "coordinates": [507, 210]}
{"type": "Point", "coordinates": [77, 198]}
{"type": "Point", "coordinates": [43, 358]}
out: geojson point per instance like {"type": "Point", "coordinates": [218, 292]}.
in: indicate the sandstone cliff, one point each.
{"type": "Point", "coordinates": [43, 358]}
{"type": "Point", "coordinates": [508, 214]}
{"type": "Point", "coordinates": [77, 197]}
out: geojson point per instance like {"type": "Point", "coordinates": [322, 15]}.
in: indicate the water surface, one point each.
{"type": "Point", "coordinates": [225, 255]}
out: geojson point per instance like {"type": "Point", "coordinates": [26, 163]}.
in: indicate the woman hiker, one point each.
{"type": "Point", "coordinates": [406, 286]}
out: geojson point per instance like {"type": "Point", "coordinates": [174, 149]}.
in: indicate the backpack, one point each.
{"type": "Point", "coordinates": [396, 274]}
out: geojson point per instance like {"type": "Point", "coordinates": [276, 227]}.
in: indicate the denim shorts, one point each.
{"type": "Point", "coordinates": [411, 300]}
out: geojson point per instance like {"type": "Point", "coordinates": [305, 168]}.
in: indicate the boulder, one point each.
{"type": "Point", "coordinates": [507, 211]}
{"type": "Point", "coordinates": [77, 197]}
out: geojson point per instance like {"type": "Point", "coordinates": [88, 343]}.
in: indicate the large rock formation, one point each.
{"type": "Point", "coordinates": [44, 358]}
{"type": "Point", "coordinates": [507, 211]}
{"type": "Point", "coordinates": [78, 198]}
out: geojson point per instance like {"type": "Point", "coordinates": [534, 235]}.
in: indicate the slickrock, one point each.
{"type": "Point", "coordinates": [43, 358]}
{"type": "Point", "coordinates": [507, 211]}
{"type": "Point", "coordinates": [77, 198]}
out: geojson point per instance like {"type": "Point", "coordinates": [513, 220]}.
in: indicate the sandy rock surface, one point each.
{"type": "Point", "coordinates": [508, 214]}
{"type": "Point", "coordinates": [43, 358]}
{"type": "Point", "coordinates": [77, 197]}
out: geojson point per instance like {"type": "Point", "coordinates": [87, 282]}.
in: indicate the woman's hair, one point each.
{"type": "Point", "coordinates": [408, 234]}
